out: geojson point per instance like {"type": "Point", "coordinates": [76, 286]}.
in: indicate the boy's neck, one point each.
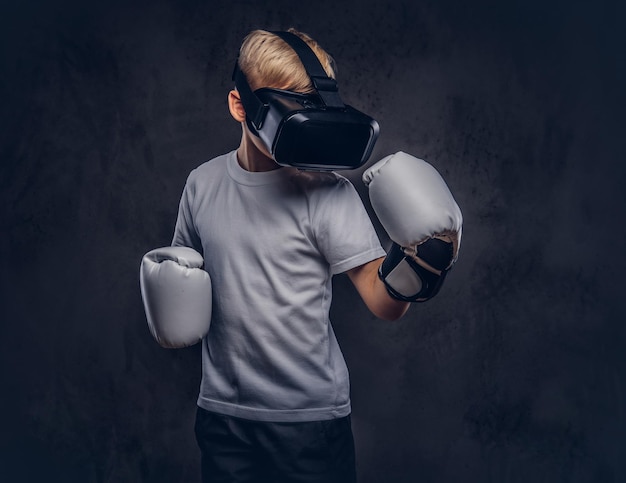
{"type": "Point", "coordinates": [251, 158]}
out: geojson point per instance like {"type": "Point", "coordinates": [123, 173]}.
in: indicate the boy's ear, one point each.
{"type": "Point", "coordinates": [235, 106]}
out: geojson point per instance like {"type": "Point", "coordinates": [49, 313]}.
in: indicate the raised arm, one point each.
{"type": "Point", "coordinates": [416, 208]}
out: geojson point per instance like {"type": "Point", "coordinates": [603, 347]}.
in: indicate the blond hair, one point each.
{"type": "Point", "coordinates": [268, 61]}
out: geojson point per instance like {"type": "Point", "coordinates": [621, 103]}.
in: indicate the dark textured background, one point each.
{"type": "Point", "coordinates": [515, 373]}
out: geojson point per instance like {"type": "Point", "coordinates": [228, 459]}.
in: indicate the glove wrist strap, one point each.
{"type": "Point", "coordinates": [407, 279]}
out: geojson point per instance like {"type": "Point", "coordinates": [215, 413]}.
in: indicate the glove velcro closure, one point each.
{"type": "Point", "coordinates": [419, 277]}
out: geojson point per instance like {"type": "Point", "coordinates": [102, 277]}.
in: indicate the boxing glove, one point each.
{"type": "Point", "coordinates": [176, 295]}
{"type": "Point", "coordinates": [416, 208]}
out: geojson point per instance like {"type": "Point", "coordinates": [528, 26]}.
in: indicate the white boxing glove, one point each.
{"type": "Point", "coordinates": [176, 294]}
{"type": "Point", "coordinates": [416, 208]}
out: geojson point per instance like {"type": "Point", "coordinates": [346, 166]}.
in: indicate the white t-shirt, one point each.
{"type": "Point", "coordinates": [271, 242]}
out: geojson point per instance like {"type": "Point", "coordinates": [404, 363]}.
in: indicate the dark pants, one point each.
{"type": "Point", "coordinates": [238, 450]}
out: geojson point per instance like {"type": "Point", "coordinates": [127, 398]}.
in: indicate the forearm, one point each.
{"type": "Point", "coordinates": [374, 293]}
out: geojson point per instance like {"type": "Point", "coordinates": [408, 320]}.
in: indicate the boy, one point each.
{"type": "Point", "coordinates": [274, 399]}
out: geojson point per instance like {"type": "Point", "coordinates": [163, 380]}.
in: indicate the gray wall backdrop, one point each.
{"type": "Point", "coordinates": [515, 373]}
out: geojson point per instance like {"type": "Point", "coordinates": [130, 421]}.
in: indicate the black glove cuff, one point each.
{"type": "Point", "coordinates": [430, 282]}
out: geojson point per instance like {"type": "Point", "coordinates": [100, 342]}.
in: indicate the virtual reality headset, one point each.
{"type": "Point", "coordinates": [314, 131]}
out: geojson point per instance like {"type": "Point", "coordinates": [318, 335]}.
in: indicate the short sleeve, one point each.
{"type": "Point", "coordinates": [185, 233]}
{"type": "Point", "coordinates": [343, 230]}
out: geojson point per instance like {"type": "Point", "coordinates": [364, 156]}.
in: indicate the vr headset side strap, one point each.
{"type": "Point", "coordinates": [325, 86]}
{"type": "Point", "coordinates": [255, 109]}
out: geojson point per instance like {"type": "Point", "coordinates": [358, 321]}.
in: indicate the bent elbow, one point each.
{"type": "Point", "coordinates": [393, 312]}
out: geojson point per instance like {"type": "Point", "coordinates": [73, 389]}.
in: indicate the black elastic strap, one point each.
{"type": "Point", "coordinates": [255, 109]}
{"type": "Point", "coordinates": [324, 85]}
{"type": "Point", "coordinates": [431, 282]}
{"type": "Point", "coordinates": [437, 253]}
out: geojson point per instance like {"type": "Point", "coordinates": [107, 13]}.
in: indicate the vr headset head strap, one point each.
{"type": "Point", "coordinates": [255, 109]}
{"type": "Point", "coordinates": [325, 86]}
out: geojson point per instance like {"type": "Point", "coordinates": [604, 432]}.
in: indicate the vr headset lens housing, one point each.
{"type": "Point", "coordinates": [308, 131]}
